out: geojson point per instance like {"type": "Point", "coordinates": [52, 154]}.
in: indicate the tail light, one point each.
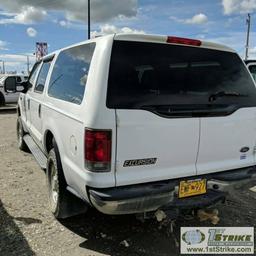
{"type": "Point", "coordinates": [186, 41]}
{"type": "Point", "coordinates": [97, 150]}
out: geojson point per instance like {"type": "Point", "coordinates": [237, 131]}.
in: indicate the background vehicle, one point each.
{"type": "Point", "coordinates": [10, 96]}
{"type": "Point", "coordinates": [251, 64]}
{"type": "Point", "coordinates": [134, 123]}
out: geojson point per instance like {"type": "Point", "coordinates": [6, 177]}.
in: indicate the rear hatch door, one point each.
{"type": "Point", "coordinates": [227, 139]}
{"type": "Point", "coordinates": [180, 111]}
{"type": "Point", "coordinates": [157, 139]}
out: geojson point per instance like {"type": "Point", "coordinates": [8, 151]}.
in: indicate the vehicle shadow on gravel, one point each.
{"type": "Point", "coordinates": [8, 110]}
{"type": "Point", "coordinates": [12, 241]}
{"type": "Point", "coordinates": [126, 235]}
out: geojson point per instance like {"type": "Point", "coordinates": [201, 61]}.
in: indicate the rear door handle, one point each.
{"type": "Point", "coordinates": [28, 103]}
{"type": "Point", "coordinates": [39, 110]}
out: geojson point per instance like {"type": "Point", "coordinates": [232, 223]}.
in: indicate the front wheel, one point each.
{"type": "Point", "coordinates": [2, 100]}
{"type": "Point", "coordinates": [20, 134]}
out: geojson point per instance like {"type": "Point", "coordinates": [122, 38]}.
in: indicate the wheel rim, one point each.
{"type": "Point", "coordinates": [54, 186]}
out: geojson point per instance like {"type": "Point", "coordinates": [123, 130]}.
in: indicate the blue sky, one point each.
{"type": "Point", "coordinates": [63, 22]}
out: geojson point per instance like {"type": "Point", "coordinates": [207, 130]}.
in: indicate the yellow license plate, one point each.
{"type": "Point", "coordinates": [192, 188]}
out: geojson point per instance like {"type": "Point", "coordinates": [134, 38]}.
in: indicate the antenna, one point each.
{"type": "Point", "coordinates": [89, 19]}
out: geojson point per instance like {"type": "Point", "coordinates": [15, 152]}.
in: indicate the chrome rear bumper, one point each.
{"type": "Point", "coordinates": [152, 196]}
{"type": "Point", "coordinates": [129, 206]}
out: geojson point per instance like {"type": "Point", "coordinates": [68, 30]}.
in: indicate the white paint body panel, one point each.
{"type": "Point", "coordinates": [142, 134]}
{"type": "Point", "coordinates": [67, 121]}
{"type": "Point", "coordinates": [222, 138]}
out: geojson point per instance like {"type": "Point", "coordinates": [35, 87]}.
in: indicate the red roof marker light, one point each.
{"type": "Point", "coordinates": [185, 41]}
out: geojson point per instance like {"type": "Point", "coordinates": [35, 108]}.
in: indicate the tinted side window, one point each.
{"type": "Point", "coordinates": [32, 78]}
{"type": "Point", "coordinates": [42, 77]}
{"type": "Point", "coordinates": [70, 73]}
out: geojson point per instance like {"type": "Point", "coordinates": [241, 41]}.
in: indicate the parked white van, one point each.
{"type": "Point", "coordinates": [134, 123]}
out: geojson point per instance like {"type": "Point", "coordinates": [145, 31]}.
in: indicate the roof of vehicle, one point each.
{"type": "Point", "coordinates": [146, 38]}
{"type": "Point", "coordinates": [163, 39]}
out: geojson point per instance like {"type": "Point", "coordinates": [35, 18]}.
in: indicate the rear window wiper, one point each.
{"type": "Point", "coordinates": [216, 95]}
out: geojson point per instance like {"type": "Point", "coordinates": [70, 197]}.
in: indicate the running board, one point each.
{"type": "Point", "coordinates": [36, 151]}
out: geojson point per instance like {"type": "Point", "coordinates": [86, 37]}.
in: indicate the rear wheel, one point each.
{"type": "Point", "coordinates": [20, 134]}
{"type": "Point", "coordinates": [63, 204]}
{"type": "Point", "coordinates": [2, 100]}
{"type": "Point", "coordinates": [56, 185]}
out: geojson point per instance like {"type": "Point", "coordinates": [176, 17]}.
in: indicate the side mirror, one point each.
{"type": "Point", "coordinates": [10, 84]}
{"type": "Point", "coordinates": [24, 87]}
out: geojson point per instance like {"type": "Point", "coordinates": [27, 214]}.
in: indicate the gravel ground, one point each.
{"type": "Point", "coordinates": [28, 228]}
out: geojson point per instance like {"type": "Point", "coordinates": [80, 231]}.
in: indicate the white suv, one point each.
{"type": "Point", "coordinates": [135, 123]}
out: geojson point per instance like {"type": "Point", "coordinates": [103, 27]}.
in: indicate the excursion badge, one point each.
{"type": "Point", "coordinates": [138, 162]}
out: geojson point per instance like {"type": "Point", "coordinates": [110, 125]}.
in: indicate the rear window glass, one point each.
{"type": "Point", "coordinates": [151, 74]}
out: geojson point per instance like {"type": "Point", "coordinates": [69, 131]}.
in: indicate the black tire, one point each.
{"type": "Point", "coordinates": [20, 134]}
{"type": "Point", "coordinates": [63, 204]}
{"type": "Point", "coordinates": [56, 185]}
{"type": "Point", "coordinates": [2, 100]}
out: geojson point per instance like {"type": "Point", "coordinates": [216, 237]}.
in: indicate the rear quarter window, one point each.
{"type": "Point", "coordinates": [70, 72]}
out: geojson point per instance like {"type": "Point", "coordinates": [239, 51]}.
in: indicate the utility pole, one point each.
{"type": "Point", "coordinates": [28, 64]}
{"type": "Point", "coordinates": [89, 19]}
{"type": "Point", "coordinates": [248, 23]}
{"type": "Point", "coordinates": [3, 67]}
